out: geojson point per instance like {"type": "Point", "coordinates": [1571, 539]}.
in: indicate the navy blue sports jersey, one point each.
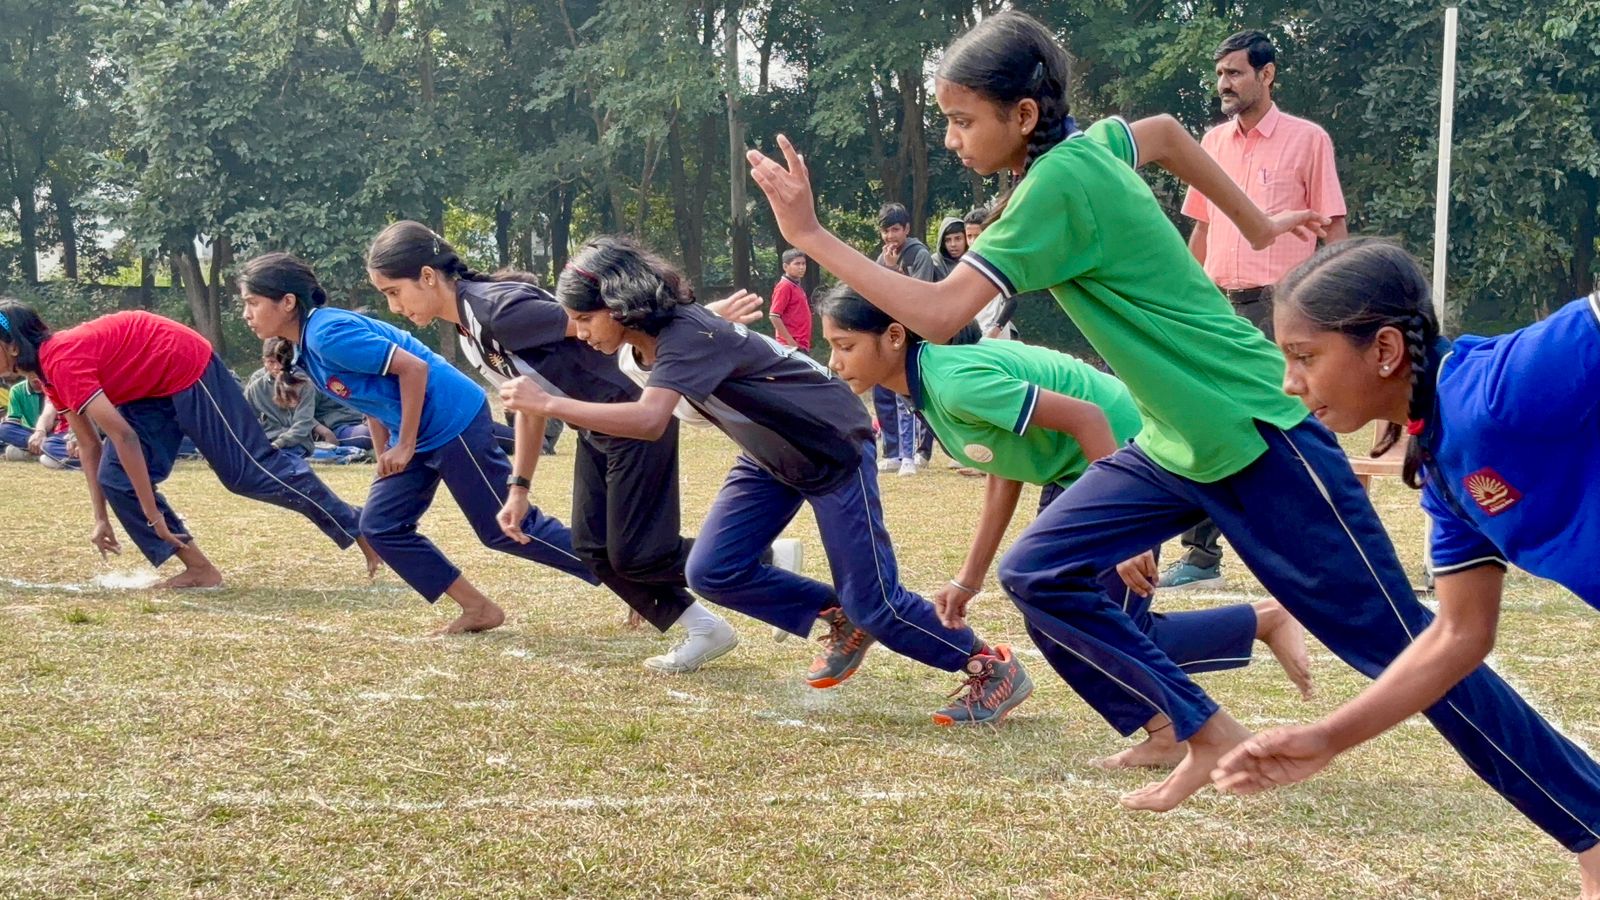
{"type": "Point", "coordinates": [511, 328]}
{"type": "Point", "coordinates": [1513, 473]}
{"type": "Point", "coordinates": [785, 409]}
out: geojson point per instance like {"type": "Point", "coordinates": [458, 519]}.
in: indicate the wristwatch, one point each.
{"type": "Point", "coordinates": [518, 481]}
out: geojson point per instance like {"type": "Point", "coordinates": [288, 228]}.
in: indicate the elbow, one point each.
{"type": "Point", "coordinates": [655, 428]}
{"type": "Point", "coordinates": [1470, 643]}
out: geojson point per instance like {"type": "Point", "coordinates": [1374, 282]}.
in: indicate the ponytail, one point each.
{"type": "Point", "coordinates": [277, 275]}
{"type": "Point", "coordinates": [405, 248]}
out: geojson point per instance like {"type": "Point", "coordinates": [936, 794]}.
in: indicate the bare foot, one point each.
{"type": "Point", "coordinates": [206, 576]}
{"type": "Point", "coordinates": [1589, 874]}
{"type": "Point", "coordinates": [1286, 638]}
{"type": "Point", "coordinates": [373, 562]}
{"type": "Point", "coordinates": [1220, 734]}
{"type": "Point", "coordinates": [1158, 751]}
{"type": "Point", "coordinates": [482, 618]}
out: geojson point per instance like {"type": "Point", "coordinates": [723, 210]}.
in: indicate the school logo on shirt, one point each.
{"type": "Point", "coordinates": [1493, 494]}
{"type": "Point", "coordinates": [338, 388]}
{"type": "Point", "coordinates": [978, 453]}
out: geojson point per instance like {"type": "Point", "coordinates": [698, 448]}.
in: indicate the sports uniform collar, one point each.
{"type": "Point", "coordinates": [914, 373]}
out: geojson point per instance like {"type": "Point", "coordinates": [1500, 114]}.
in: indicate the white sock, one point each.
{"type": "Point", "coordinates": [699, 620]}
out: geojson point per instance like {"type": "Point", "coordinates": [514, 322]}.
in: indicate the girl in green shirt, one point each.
{"type": "Point", "coordinates": [1029, 415]}
{"type": "Point", "coordinates": [1220, 438]}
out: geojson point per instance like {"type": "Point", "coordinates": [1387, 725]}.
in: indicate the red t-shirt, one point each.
{"type": "Point", "coordinates": [127, 356]}
{"type": "Point", "coordinates": [790, 305]}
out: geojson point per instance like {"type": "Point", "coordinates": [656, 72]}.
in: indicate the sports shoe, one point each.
{"type": "Point", "coordinates": [842, 649]}
{"type": "Point", "coordinates": [1183, 576]}
{"type": "Point", "coordinates": [888, 465]}
{"type": "Point", "coordinates": [908, 467]}
{"type": "Point", "coordinates": [922, 460]}
{"type": "Point", "coordinates": [695, 650]}
{"type": "Point", "coordinates": [18, 454]}
{"type": "Point", "coordinates": [788, 555]}
{"type": "Point", "coordinates": [995, 685]}
{"type": "Point", "coordinates": [50, 462]}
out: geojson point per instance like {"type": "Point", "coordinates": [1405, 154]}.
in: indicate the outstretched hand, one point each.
{"type": "Point", "coordinates": [788, 190]}
{"type": "Point", "coordinates": [1302, 223]}
{"type": "Point", "coordinates": [741, 307]}
{"type": "Point", "coordinates": [1273, 758]}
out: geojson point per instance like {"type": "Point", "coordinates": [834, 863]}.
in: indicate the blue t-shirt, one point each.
{"type": "Point", "coordinates": [1514, 471]}
{"type": "Point", "coordinates": [347, 355]}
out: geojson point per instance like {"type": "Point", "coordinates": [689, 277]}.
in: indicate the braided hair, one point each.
{"type": "Point", "coordinates": [611, 272]}
{"type": "Point", "coordinates": [1010, 57]}
{"type": "Point", "coordinates": [405, 248]}
{"type": "Point", "coordinates": [1359, 287]}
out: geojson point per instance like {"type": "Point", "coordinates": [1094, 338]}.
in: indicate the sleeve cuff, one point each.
{"type": "Point", "coordinates": [90, 399]}
{"type": "Point", "coordinates": [389, 360]}
{"type": "Point", "coordinates": [1029, 404]}
{"type": "Point", "coordinates": [1453, 568]}
{"type": "Point", "coordinates": [1133, 145]}
{"type": "Point", "coordinates": [991, 272]}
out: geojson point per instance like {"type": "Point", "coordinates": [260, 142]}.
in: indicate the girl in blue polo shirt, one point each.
{"type": "Point", "coordinates": [1505, 448]}
{"type": "Point", "coordinates": [806, 439]}
{"type": "Point", "coordinates": [1219, 439]}
{"type": "Point", "coordinates": [1028, 415]}
{"type": "Point", "coordinates": [431, 421]}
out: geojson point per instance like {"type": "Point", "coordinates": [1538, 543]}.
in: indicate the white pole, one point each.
{"type": "Point", "coordinates": [1447, 119]}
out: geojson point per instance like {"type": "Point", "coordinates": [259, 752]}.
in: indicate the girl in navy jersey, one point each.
{"type": "Point", "coordinates": [806, 439]}
{"type": "Point", "coordinates": [1505, 447]}
{"type": "Point", "coordinates": [429, 422]}
{"type": "Point", "coordinates": [147, 382]}
{"type": "Point", "coordinates": [625, 513]}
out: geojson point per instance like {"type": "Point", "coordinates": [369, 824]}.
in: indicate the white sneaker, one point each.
{"type": "Point", "coordinates": [922, 461]}
{"type": "Point", "coordinates": [888, 465]}
{"type": "Point", "coordinates": [695, 650]}
{"type": "Point", "coordinates": [19, 454]}
{"type": "Point", "coordinates": [50, 462]}
{"type": "Point", "coordinates": [908, 467]}
{"type": "Point", "coordinates": [788, 555]}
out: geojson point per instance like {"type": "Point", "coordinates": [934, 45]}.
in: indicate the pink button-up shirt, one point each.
{"type": "Point", "coordinates": [1284, 163]}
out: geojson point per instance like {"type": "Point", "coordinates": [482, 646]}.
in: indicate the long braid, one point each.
{"type": "Point", "coordinates": [1420, 333]}
{"type": "Point", "coordinates": [1055, 125]}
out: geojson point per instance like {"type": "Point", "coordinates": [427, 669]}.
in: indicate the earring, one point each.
{"type": "Point", "coordinates": [1383, 371]}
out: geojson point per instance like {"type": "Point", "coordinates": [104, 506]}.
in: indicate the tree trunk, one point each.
{"type": "Point", "coordinates": [678, 184]}
{"type": "Point", "coordinates": [146, 296]}
{"type": "Point", "coordinates": [914, 146]}
{"type": "Point", "coordinates": [502, 233]}
{"type": "Point", "coordinates": [204, 305]}
{"type": "Point", "coordinates": [67, 224]}
{"type": "Point", "coordinates": [1583, 273]}
{"type": "Point", "coordinates": [28, 230]}
{"type": "Point", "coordinates": [560, 228]}
{"type": "Point", "coordinates": [739, 216]}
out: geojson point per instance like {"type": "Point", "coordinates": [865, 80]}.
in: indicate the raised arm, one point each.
{"type": "Point", "coordinates": [934, 310]}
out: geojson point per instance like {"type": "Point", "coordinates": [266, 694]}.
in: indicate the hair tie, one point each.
{"type": "Point", "coordinates": [1415, 427]}
{"type": "Point", "coordinates": [5, 323]}
{"type": "Point", "coordinates": [585, 274]}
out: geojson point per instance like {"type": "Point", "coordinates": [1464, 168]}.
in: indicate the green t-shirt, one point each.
{"type": "Point", "coordinates": [26, 404]}
{"type": "Point", "coordinates": [979, 399]}
{"type": "Point", "coordinates": [1085, 226]}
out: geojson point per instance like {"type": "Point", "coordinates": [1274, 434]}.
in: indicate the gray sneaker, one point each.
{"type": "Point", "coordinates": [1184, 576]}
{"type": "Point", "coordinates": [995, 685]}
{"type": "Point", "coordinates": [842, 649]}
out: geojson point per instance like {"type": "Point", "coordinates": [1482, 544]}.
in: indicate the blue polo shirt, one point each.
{"type": "Point", "coordinates": [347, 356]}
{"type": "Point", "coordinates": [1513, 472]}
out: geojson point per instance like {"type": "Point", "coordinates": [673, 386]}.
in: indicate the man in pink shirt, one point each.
{"type": "Point", "coordinates": [1283, 163]}
{"type": "Point", "coordinates": [791, 311]}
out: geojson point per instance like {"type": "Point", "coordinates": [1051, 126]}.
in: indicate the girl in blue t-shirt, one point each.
{"type": "Point", "coordinates": [969, 392]}
{"type": "Point", "coordinates": [429, 422]}
{"type": "Point", "coordinates": [805, 438]}
{"type": "Point", "coordinates": [1218, 439]}
{"type": "Point", "coordinates": [1505, 447]}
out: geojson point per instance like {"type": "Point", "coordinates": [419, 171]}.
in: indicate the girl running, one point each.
{"type": "Point", "coordinates": [806, 439]}
{"type": "Point", "coordinates": [1357, 326]}
{"type": "Point", "coordinates": [1219, 435]}
{"type": "Point", "coordinates": [147, 382]}
{"type": "Point", "coordinates": [1029, 415]}
{"type": "Point", "coordinates": [432, 422]}
{"type": "Point", "coordinates": [625, 513]}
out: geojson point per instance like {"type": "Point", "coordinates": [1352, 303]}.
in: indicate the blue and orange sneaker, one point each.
{"type": "Point", "coordinates": [995, 684]}
{"type": "Point", "coordinates": [842, 649]}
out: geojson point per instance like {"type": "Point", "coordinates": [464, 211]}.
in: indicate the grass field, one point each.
{"type": "Point", "coordinates": [297, 734]}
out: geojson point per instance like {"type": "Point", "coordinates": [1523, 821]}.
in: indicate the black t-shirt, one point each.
{"type": "Point", "coordinates": [785, 409]}
{"type": "Point", "coordinates": [511, 328]}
